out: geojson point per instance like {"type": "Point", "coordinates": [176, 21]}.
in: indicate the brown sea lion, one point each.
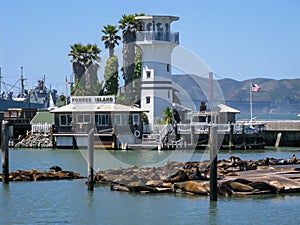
{"type": "Point", "coordinates": [239, 187]}
{"type": "Point", "coordinates": [139, 186]}
{"type": "Point", "coordinates": [118, 187]}
{"type": "Point", "coordinates": [263, 186]}
{"type": "Point", "coordinates": [180, 176]}
{"type": "Point", "coordinates": [193, 187]}
{"type": "Point", "coordinates": [293, 160]}
{"type": "Point", "coordinates": [277, 185]}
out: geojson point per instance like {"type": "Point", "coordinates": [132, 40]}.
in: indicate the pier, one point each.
{"type": "Point", "coordinates": [281, 132]}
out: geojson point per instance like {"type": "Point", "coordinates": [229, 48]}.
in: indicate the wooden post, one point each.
{"type": "Point", "coordinates": [90, 181]}
{"type": "Point", "coordinates": [192, 134]}
{"type": "Point", "coordinates": [244, 138]}
{"type": "Point", "coordinates": [5, 156]}
{"type": "Point", "coordinates": [231, 137]}
{"type": "Point", "coordinates": [213, 162]}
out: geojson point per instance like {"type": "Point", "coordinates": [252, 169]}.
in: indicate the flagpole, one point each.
{"type": "Point", "coordinates": [66, 90]}
{"type": "Point", "coordinates": [251, 116]}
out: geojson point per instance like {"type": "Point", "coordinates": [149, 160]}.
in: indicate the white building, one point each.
{"type": "Point", "coordinates": [157, 43]}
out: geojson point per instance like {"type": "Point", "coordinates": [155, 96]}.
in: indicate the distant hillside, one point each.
{"type": "Point", "coordinates": [275, 96]}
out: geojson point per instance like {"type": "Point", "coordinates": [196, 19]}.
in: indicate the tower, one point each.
{"type": "Point", "coordinates": [156, 42]}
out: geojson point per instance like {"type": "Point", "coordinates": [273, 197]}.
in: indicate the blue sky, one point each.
{"type": "Point", "coordinates": [237, 39]}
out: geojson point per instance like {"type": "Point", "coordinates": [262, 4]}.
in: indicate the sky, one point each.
{"type": "Point", "coordinates": [237, 39]}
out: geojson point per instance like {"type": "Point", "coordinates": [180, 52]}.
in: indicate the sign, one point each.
{"type": "Point", "coordinates": [93, 99]}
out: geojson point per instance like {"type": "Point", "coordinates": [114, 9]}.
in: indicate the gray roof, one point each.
{"type": "Point", "coordinates": [43, 117]}
{"type": "Point", "coordinates": [97, 108]}
{"type": "Point", "coordinates": [227, 109]}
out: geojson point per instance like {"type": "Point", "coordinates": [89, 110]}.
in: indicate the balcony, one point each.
{"type": "Point", "coordinates": [148, 36]}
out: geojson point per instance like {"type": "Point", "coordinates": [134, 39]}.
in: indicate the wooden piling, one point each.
{"type": "Point", "coordinates": [278, 139]}
{"type": "Point", "coordinates": [213, 162]}
{"type": "Point", "coordinates": [90, 181]}
{"type": "Point", "coordinates": [5, 153]}
{"type": "Point", "coordinates": [231, 145]}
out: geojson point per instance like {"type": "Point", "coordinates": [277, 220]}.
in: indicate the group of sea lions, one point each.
{"type": "Point", "coordinates": [191, 177]}
{"type": "Point", "coordinates": [54, 173]}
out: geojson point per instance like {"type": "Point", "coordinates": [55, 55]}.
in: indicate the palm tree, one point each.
{"type": "Point", "coordinates": [85, 59]}
{"type": "Point", "coordinates": [168, 115]}
{"type": "Point", "coordinates": [128, 24]}
{"type": "Point", "coordinates": [110, 38]}
{"type": "Point", "coordinates": [111, 75]}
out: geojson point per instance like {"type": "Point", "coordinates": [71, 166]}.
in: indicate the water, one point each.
{"type": "Point", "coordinates": [69, 202]}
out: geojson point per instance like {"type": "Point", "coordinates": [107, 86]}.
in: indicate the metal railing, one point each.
{"type": "Point", "coordinates": [145, 36]}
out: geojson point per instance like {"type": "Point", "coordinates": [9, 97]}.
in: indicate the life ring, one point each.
{"type": "Point", "coordinates": [137, 133]}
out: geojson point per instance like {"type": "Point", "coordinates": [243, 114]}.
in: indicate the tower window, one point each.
{"type": "Point", "coordinates": [168, 67]}
{"type": "Point", "coordinates": [148, 74]}
{"type": "Point", "coordinates": [148, 100]}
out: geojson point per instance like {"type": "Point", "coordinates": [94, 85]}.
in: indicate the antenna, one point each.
{"type": "Point", "coordinates": [0, 80]}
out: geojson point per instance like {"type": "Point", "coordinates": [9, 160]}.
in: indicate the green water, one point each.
{"type": "Point", "coordinates": [69, 202]}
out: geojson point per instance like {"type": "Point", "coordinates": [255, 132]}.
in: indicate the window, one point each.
{"type": "Point", "coordinates": [83, 118]}
{"type": "Point", "coordinates": [121, 119]}
{"type": "Point", "coordinates": [168, 67]}
{"type": "Point", "coordinates": [148, 74]}
{"type": "Point", "coordinates": [102, 119]}
{"type": "Point", "coordinates": [65, 120]}
{"type": "Point", "coordinates": [147, 100]}
{"type": "Point", "coordinates": [136, 119]}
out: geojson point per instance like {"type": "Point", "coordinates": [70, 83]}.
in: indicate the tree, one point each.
{"type": "Point", "coordinates": [110, 38]}
{"type": "Point", "coordinates": [61, 101]}
{"type": "Point", "coordinates": [168, 115]}
{"type": "Point", "coordinates": [128, 24]}
{"type": "Point", "coordinates": [137, 76]}
{"type": "Point", "coordinates": [85, 59]}
{"type": "Point", "coordinates": [111, 75]}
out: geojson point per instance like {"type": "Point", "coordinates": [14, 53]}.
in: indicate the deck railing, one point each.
{"type": "Point", "coordinates": [145, 36]}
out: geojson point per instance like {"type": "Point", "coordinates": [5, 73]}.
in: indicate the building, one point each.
{"type": "Point", "coordinates": [157, 43]}
{"type": "Point", "coordinates": [114, 123]}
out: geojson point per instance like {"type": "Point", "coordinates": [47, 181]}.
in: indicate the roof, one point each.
{"type": "Point", "coordinates": [226, 109]}
{"type": "Point", "coordinates": [43, 117]}
{"type": "Point", "coordinates": [150, 17]}
{"type": "Point", "coordinates": [113, 107]}
{"type": "Point", "coordinates": [221, 108]}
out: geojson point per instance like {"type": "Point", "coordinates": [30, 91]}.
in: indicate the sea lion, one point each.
{"type": "Point", "coordinates": [239, 187]}
{"type": "Point", "coordinates": [263, 186]}
{"type": "Point", "coordinates": [193, 187]}
{"type": "Point", "coordinates": [293, 160]}
{"type": "Point", "coordinates": [277, 185]}
{"type": "Point", "coordinates": [56, 168]}
{"type": "Point", "coordinates": [180, 176]}
{"type": "Point", "coordinates": [139, 186]}
{"type": "Point", "coordinates": [118, 187]}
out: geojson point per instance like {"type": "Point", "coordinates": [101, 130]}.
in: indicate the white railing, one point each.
{"type": "Point", "coordinates": [41, 127]}
{"type": "Point", "coordinates": [168, 128]}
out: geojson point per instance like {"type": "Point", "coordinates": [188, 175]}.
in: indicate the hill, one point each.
{"type": "Point", "coordinates": [275, 96]}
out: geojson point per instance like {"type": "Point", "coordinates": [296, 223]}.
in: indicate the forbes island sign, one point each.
{"type": "Point", "coordinates": [93, 99]}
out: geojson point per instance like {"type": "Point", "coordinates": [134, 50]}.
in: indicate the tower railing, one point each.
{"type": "Point", "coordinates": [145, 36]}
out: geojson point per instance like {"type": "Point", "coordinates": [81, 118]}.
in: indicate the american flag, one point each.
{"type": "Point", "coordinates": [67, 83]}
{"type": "Point", "coordinates": [256, 87]}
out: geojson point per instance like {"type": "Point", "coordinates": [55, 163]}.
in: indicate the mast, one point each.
{"type": "Point", "coordinates": [251, 114]}
{"type": "Point", "coordinates": [22, 83]}
{"type": "Point", "coordinates": [0, 80]}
